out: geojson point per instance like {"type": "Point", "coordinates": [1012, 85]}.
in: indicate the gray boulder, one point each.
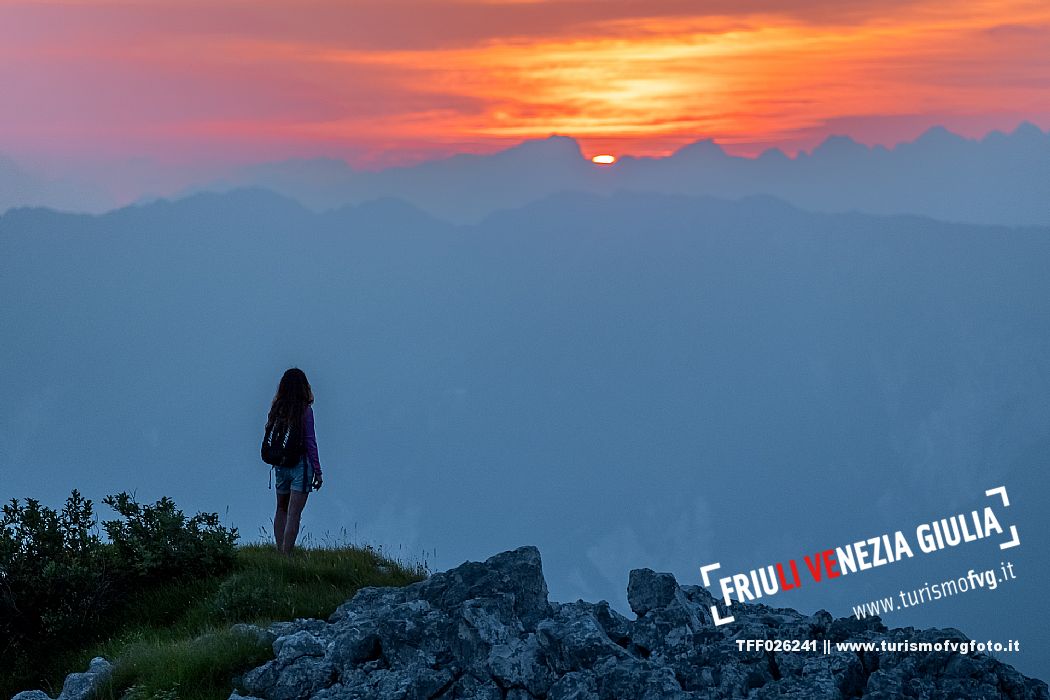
{"type": "Point", "coordinates": [575, 640]}
{"type": "Point", "coordinates": [32, 695]}
{"type": "Point", "coordinates": [514, 578]}
{"type": "Point", "coordinates": [77, 686]}
{"type": "Point", "coordinates": [648, 590]}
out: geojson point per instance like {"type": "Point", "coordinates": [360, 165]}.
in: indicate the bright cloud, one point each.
{"type": "Point", "coordinates": [397, 79]}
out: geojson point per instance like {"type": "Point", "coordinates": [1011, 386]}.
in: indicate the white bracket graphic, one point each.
{"type": "Point", "coordinates": [719, 621]}
{"type": "Point", "coordinates": [704, 571]}
{"type": "Point", "coordinates": [1015, 539]}
{"type": "Point", "coordinates": [1013, 542]}
{"type": "Point", "coordinates": [1001, 491]}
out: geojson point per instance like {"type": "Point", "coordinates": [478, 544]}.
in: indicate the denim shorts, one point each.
{"type": "Point", "coordinates": [298, 478]}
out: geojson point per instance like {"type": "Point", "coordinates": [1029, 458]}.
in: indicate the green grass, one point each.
{"type": "Point", "coordinates": [197, 667]}
{"type": "Point", "coordinates": [174, 640]}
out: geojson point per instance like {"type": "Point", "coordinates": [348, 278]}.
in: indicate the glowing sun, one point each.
{"type": "Point", "coordinates": [604, 159]}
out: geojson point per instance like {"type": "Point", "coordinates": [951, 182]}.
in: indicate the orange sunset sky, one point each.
{"type": "Point", "coordinates": [382, 82]}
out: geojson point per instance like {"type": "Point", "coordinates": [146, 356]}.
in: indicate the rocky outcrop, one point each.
{"type": "Point", "coordinates": [486, 631]}
{"type": "Point", "coordinates": [78, 686]}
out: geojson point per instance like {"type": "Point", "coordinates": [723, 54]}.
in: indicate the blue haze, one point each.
{"type": "Point", "coordinates": [628, 380]}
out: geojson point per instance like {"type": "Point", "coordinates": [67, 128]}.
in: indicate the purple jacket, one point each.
{"type": "Point", "coordinates": [311, 439]}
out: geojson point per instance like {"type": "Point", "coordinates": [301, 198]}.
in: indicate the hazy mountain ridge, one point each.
{"type": "Point", "coordinates": [592, 373]}
{"type": "Point", "coordinates": [1002, 178]}
{"type": "Point", "coordinates": [998, 179]}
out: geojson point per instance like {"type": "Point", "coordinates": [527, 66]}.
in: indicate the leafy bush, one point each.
{"type": "Point", "coordinates": [54, 575]}
{"type": "Point", "coordinates": [160, 542]}
{"type": "Point", "coordinates": [60, 584]}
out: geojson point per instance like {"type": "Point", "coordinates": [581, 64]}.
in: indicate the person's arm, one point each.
{"type": "Point", "coordinates": [310, 438]}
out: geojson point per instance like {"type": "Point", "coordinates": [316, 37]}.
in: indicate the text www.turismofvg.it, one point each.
{"type": "Point", "coordinates": [987, 579]}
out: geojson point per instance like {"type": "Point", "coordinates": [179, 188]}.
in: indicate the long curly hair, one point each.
{"type": "Point", "coordinates": [289, 403]}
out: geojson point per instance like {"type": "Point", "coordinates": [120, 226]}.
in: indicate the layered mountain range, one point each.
{"type": "Point", "coordinates": [1002, 178]}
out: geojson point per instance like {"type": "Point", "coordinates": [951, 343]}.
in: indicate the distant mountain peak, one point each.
{"type": "Point", "coordinates": [939, 136]}
{"type": "Point", "coordinates": [704, 148]}
{"type": "Point", "coordinates": [775, 155]}
{"type": "Point", "coordinates": [840, 145]}
{"type": "Point", "coordinates": [1028, 131]}
{"type": "Point", "coordinates": [554, 146]}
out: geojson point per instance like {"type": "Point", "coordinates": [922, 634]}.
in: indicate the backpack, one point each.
{"type": "Point", "coordinates": [283, 445]}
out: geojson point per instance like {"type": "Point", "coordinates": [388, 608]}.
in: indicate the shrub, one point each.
{"type": "Point", "coordinates": [54, 575]}
{"type": "Point", "coordinates": [159, 542]}
{"type": "Point", "coordinates": [60, 584]}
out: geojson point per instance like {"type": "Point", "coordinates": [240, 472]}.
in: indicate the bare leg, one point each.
{"type": "Point", "coordinates": [280, 518]}
{"type": "Point", "coordinates": [295, 511]}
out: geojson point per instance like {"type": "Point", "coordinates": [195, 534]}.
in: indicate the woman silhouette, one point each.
{"type": "Point", "coordinates": [292, 407]}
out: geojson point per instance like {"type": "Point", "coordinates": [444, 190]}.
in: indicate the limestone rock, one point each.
{"type": "Point", "coordinates": [487, 631]}
{"type": "Point", "coordinates": [32, 695]}
{"type": "Point", "coordinates": [77, 686]}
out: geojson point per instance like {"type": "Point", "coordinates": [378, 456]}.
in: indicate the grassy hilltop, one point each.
{"type": "Point", "coordinates": [159, 597]}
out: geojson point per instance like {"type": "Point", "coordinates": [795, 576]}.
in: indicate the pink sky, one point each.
{"type": "Point", "coordinates": [382, 82]}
